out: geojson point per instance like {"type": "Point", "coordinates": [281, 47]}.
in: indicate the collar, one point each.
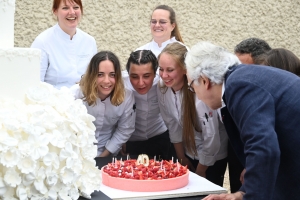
{"type": "Point", "coordinates": [63, 34]}
{"type": "Point", "coordinates": [165, 43]}
{"type": "Point", "coordinates": [223, 90]}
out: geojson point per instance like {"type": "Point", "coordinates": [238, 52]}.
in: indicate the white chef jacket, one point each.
{"type": "Point", "coordinates": [149, 122]}
{"type": "Point", "coordinates": [114, 124]}
{"type": "Point", "coordinates": [153, 46]}
{"type": "Point", "coordinates": [211, 143]}
{"type": "Point", "coordinates": [64, 61]}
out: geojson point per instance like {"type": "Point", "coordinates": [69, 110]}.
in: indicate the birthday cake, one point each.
{"type": "Point", "coordinates": [47, 137]}
{"type": "Point", "coordinates": [145, 176]}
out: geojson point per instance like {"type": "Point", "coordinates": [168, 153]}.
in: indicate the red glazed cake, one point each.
{"type": "Point", "coordinates": [145, 176]}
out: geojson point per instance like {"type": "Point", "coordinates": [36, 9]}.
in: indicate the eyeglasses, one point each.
{"type": "Point", "coordinates": [161, 22]}
{"type": "Point", "coordinates": [190, 86]}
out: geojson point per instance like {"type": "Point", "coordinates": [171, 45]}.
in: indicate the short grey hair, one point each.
{"type": "Point", "coordinates": [212, 61]}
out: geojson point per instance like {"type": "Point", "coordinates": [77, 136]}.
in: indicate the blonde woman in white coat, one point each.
{"type": "Point", "coordinates": [199, 138]}
{"type": "Point", "coordinates": [102, 91]}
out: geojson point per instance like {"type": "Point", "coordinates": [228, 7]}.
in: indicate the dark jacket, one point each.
{"type": "Point", "coordinates": [263, 125]}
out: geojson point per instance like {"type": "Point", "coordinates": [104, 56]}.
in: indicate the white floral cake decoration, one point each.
{"type": "Point", "coordinates": [47, 147]}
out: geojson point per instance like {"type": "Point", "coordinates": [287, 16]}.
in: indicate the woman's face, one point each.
{"type": "Point", "coordinates": [68, 15]}
{"type": "Point", "coordinates": [106, 79]}
{"type": "Point", "coordinates": [161, 27]}
{"type": "Point", "coordinates": [141, 77]}
{"type": "Point", "coordinates": [170, 72]}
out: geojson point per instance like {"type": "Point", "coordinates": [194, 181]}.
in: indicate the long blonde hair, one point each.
{"type": "Point", "coordinates": [189, 119]}
{"type": "Point", "coordinates": [88, 83]}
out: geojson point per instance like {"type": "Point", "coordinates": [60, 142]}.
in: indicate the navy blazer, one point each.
{"type": "Point", "coordinates": [263, 123]}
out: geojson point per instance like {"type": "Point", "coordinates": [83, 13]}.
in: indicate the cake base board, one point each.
{"type": "Point", "coordinates": [197, 186]}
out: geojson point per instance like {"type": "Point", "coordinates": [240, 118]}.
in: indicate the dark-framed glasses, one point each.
{"type": "Point", "coordinates": [161, 22]}
{"type": "Point", "coordinates": [190, 86]}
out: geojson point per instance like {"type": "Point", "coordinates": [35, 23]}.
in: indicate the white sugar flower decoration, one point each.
{"type": "Point", "coordinates": [27, 165]}
{"type": "Point", "coordinates": [10, 158]}
{"type": "Point", "coordinates": [12, 177]}
{"type": "Point", "coordinates": [51, 159]}
{"type": "Point", "coordinates": [3, 187]}
{"type": "Point", "coordinates": [47, 147]}
{"type": "Point", "coordinates": [67, 175]}
{"type": "Point", "coordinates": [6, 141]}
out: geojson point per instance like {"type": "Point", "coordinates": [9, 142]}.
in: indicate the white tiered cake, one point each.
{"type": "Point", "coordinates": [19, 66]}
{"type": "Point", "coordinates": [47, 137]}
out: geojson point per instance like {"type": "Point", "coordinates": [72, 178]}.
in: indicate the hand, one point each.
{"type": "Point", "coordinates": [234, 196]}
{"type": "Point", "coordinates": [105, 153]}
{"type": "Point", "coordinates": [201, 170]}
{"type": "Point", "coordinates": [185, 161]}
{"type": "Point", "coordinates": [242, 176]}
{"type": "Point", "coordinates": [123, 150]}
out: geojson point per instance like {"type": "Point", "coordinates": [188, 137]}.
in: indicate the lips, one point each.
{"type": "Point", "coordinates": [167, 82]}
{"type": "Point", "coordinates": [106, 87]}
{"type": "Point", "coordinates": [71, 18]}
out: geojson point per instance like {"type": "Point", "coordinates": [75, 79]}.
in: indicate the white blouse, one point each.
{"type": "Point", "coordinates": [149, 122]}
{"type": "Point", "coordinates": [64, 61]}
{"type": "Point", "coordinates": [114, 124]}
{"type": "Point", "coordinates": [153, 46]}
{"type": "Point", "coordinates": [211, 142]}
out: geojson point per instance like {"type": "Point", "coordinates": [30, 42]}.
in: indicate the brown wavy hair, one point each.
{"type": "Point", "coordinates": [189, 118]}
{"type": "Point", "coordinates": [88, 82]}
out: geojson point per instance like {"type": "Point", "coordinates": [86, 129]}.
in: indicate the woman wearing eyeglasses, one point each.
{"type": "Point", "coordinates": [164, 29]}
{"type": "Point", "coordinates": [199, 138]}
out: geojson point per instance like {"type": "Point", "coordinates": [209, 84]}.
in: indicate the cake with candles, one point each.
{"type": "Point", "coordinates": [47, 137]}
{"type": "Point", "coordinates": [144, 175]}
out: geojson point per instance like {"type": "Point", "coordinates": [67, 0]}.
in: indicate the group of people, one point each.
{"type": "Point", "coordinates": [200, 106]}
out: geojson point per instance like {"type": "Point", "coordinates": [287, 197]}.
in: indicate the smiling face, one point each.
{"type": "Point", "coordinates": [106, 79]}
{"type": "Point", "coordinates": [171, 73]}
{"type": "Point", "coordinates": [162, 29]}
{"type": "Point", "coordinates": [141, 77]}
{"type": "Point", "coordinates": [68, 15]}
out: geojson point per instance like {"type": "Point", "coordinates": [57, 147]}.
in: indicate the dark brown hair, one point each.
{"type": "Point", "coordinates": [175, 33]}
{"type": "Point", "coordinates": [283, 59]}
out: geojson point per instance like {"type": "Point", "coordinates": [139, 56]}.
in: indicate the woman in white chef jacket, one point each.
{"type": "Point", "coordinates": [164, 29]}
{"type": "Point", "coordinates": [102, 91]}
{"type": "Point", "coordinates": [199, 138]}
{"type": "Point", "coordinates": [66, 50]}
{"type": "Point", "coordinates": [151, 136]}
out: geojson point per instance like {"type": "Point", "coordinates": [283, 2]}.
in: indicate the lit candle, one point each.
{"type": "Point", "coordinates": [154, 158]}
{"type": "Point", "coordinates": [172, 159]}
{"type": "Point", "coordinates": [127, 156]}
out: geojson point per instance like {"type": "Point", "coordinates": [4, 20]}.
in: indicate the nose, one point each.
{"type": "Point", "coordinates": [106, 79]}
{"type": "Point", "coordinates": [71, 10]}
{"type": "Point", "coordinates": [141, 81]}
{"type": "Point", "coordinates": [163, 74]}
